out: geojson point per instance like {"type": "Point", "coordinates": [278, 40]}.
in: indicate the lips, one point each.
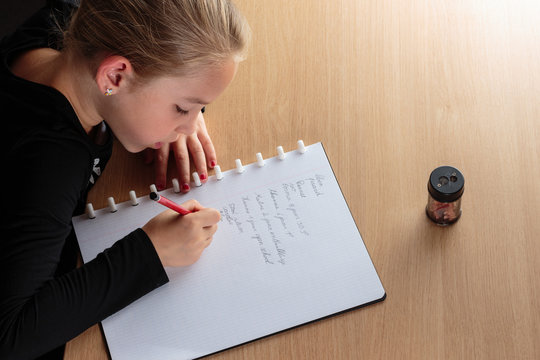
{"type": "Point", "coordinates": [158, 145]}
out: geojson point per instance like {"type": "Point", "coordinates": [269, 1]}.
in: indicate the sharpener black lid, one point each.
{"type": "Point", "coordinates": [446, 184]}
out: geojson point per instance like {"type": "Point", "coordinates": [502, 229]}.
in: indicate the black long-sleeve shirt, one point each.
{"type": "Point", "coordinates": [49, 163]}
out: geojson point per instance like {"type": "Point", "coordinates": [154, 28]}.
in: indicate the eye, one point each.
{"type": "Point", "coordinates": [181, 111]}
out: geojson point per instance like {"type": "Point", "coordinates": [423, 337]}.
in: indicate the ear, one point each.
{"type": "Point", "coordinates": [113, 73]}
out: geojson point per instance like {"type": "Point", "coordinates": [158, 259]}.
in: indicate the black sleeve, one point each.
{"type": "Point", "coordinates": [39, 311]}
{"type": "Point", "coordinates": [45, 173]}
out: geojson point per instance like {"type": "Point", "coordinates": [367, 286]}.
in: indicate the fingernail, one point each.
{"type": "Point", "coordinates": [185, 187]}
{"type": "Point", "coordinates": [203, 176]}
{"type": "Point", "coordinates": [212, 163]}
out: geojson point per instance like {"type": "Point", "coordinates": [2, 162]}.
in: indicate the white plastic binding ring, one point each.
{"type": "Point", "coordinates": [219, 174]}
{"type": "Point", "coordinates": [90, 211]}
{"type": "Point", "coordinates": [281, 153]}
{"type": "Point", "coordinates": [301, 147]}
{"type": "Point", "coordinates": [260, 160]}
{"type": "Point", "coordinates": [239, 166]}
{"type": "Point", "coordinates": [176, 185]}
{"type": "Point", "coordinates": [196, 179]}
{"type": "Point", "coordinates": [112, 205]}
{"type": "Point", "coordinates": [133, 197]}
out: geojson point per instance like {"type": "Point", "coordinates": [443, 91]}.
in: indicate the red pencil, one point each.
{"type": "Point", "coordinates": [168, 203]}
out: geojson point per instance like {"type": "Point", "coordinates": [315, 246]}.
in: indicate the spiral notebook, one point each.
{"type": "Point", "coordinates": [287, 252]}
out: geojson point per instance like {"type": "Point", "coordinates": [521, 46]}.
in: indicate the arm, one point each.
{"type": "Point", "coordinates": [39, 311]}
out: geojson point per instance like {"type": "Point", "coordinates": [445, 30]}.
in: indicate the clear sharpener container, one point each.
{"type": "Point", "coordinates": [445, 188]}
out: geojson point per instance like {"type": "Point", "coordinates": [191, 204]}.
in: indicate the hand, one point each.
{"type": "Point", "coordinates": [198, 144]}
{"type": "Point", "coordinates": [180, 240]}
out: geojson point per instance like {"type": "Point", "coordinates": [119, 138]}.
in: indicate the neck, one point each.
{"type": "Point", "coordinates": [76, 83]}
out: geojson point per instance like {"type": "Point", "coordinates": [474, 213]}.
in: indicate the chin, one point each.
{"type": "Point", "coordinates": [134, 148]}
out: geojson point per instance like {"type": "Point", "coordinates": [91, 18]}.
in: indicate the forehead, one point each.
{"type": "Point", "coordinates": [169, 88]}
{"type": "Point", "coordinates": [202, 86]}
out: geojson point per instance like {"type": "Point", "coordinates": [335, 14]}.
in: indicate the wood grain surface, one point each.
{"type": "Point", "coordinates": [395, 89]}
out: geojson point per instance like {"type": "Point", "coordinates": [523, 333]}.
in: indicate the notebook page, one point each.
{"type": "Point", "coordinates": [287, 251]}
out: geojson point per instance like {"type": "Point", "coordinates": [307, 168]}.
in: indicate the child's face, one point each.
{"type": "Point", "coordinates": [152, 114]}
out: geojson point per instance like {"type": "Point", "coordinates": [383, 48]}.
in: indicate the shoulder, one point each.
{"type": "Point", "coordinates": [33, 65]}
{"type": "Point", "coordinates": [47, 156]}
{"type": "Point", "coordinates": [46, 176]}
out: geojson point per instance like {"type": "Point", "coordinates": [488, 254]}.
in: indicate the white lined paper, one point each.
{"type": "Point", "coordinates": [287, 252]}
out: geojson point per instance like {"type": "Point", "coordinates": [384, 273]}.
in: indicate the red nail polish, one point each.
{"type": "Point", "coordinates": [185, 187]}
{"type": "Point", "coordinates": [212, 164]}
{"type": "Point", "coordinates": [203, 176]}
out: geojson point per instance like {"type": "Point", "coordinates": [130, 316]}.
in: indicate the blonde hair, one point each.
{"type": "Point", "coordinates": [158, 37]}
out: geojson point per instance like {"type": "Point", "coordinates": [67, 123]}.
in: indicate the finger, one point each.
{"type": "Point", "coordinates": [210, 230]}
{"type": "Point", "coordinates": [161, 159]}
{"type": "Point", "coordinates": [192, 205]}
{"type": "Point", "coordinates": [148, 156]}
{"type": "Point", "coordinates": [197, 153]}
{"type": "Point", "coordinates": [181, 156]}
{"type": "Point", "coordinates": [208, 242]}
{"type": "Point", "coordinates": [208, 146]}
{"type": "Point", "coordinates": [205, 217]}
{"type": "Point", "coordinates": [208, 217]}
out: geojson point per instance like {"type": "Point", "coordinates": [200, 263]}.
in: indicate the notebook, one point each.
{"type": "Point", "coordinates": [287, 252]}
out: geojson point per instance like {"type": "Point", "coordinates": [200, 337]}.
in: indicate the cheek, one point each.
{"type": "Point", "coordinates": [188, 126]}
{"type": "Point", "coordinates": [139, 122]}
{"type": "Point", "coordinates": [132, 128]}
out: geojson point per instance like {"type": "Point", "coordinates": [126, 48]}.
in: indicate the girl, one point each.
{"type": "Point", "coordinates": [139, 69]}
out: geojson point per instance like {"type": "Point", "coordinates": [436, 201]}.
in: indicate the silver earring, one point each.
{"type": "Point", "coordinates": [108, 92]}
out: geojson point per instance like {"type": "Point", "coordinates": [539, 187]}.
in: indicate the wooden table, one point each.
{"type": "Point", "coordinates": [394, 89]}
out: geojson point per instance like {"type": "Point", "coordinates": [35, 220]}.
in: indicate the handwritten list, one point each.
{"type": "Point", "coordinates": [287, 251]}
{"type": "Point", "coordinates": [271, 218]}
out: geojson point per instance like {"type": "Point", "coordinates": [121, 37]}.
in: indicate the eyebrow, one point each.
{"type": "Point", "coordinates": [196, 100]}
